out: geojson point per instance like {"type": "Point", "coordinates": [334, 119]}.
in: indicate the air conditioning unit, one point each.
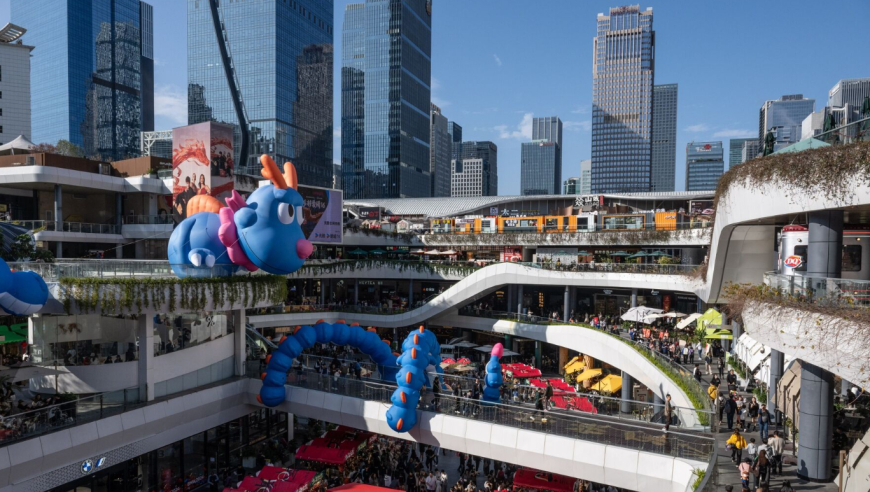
{"type": "Point", "coordinates": [105, 169]}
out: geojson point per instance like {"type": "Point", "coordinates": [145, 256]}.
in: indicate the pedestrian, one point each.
{"type": "Point", "coordinates": [786, 486]}
{"type": "Point", "coordinates": [752, 450]}
{"type": "Point", "coordinates": [777, 445]}
{"type": "Point", "coordinates": [721, 367]}
{"type": "Point", "coordinates": [548, 395]}
{"type": "Point", "coordinates": [753, 407]}
{"type": "Point", "coordinates": [669, 413]}
{"type": "Point", "coordinates": [431, 482]}
{"type": "Point", "coordinates": [696, 373]}
{"type": "Point", "coordinates": [730, 409]}
{"type": "Point", "coordinates": [731, 379]}
{"type": "Point", "coordinates": [736, 443]}
{"type": "Point", "coordinates": [761, 469]}
{"type": "Point", "coordinates": [763, 421]}
{"type": "Point", "coordinates": [436, 394]}
{"type": "Point", "coordinates": [745, 469]}
{"type": "Point", "coordinates": [708, 360]}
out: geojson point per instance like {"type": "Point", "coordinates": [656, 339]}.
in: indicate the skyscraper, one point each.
{"type": "Point", "coordinates": [664, 137]}
{"type": "Point", "coordinates": [849, 91]}
{"type": "Point", "coordinates": [548, 128]}
{"type": "Point", "coordinates": [353, 100]}
{"type": "Point", "coordinates": [572, 186]}
{"type": "Point", "coordinates": [15, 61]}
{"type": "Point", "coordinates": [487, 152]}
{"type": "Point", "coordinates": [735, 150]}
{"type": "Point", "coordinates": [585, 187]}
{"type": "Point", "coordinates": [86, 80]}
{"type": "Point", "coordinates": [622, 97]}
{"type": "Point", "coordinates": [750, 150]}
{"type": "Point", "coordinates": [704, 165]}
{"type": "Point", "coordinates": [440, 154]}
{"type": "Point", "coordinates": [784, 117]}
{"type": "Point", "coordinates": [270, 65]}
{"type": "Point", "coordinates": [467, 177]}
{"type": "Point", "coordinates": [146, 64]}
{"type": "Point", "coordinates": [455, 132]}
{"type": "Point", "coordinates": [540, 172]}
{"type": "Point", "coordinates": [395, 42]}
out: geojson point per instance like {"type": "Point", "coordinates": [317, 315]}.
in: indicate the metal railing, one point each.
{"type": "Point", "coordinates": [857, 131]}
{"type": "Point", "coordinates": [117, 269]}
{"type": "Point", "coordinates": [160, 219]}
{"type": "Point", "coordinates": [821, 290]}
{"type": "Point", "coordinates": [586, 427]}
{"type": "Point", "coordinates": [64, 226]}
{"type": "Point", "coordinates": [25, 425]}
{"type": "Point", "coordinates": [679, 226]}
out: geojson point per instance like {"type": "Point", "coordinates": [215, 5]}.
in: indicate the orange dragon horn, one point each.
{"type": "Point", "coordinates": [290, 175]}
{"type": "Point", "coordinates": [270, 171]}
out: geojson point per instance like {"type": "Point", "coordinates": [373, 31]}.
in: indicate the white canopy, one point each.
{"type": "Point", "coordinates": [20, 144]}
{"type": "Point", "coordinates": [674, 314]}
{"type": "Point", "coordinates": [640, 314]}
{"type": "Point", "coordinates": [688, 321]}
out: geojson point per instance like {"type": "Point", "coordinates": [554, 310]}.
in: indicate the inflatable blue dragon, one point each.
{"type": "Point", "coordinates": [21, 293]}
{"type": "Point", "coordinates": [265, 232]}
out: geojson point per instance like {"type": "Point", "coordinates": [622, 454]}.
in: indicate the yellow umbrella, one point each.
{"type": "Point", "coordinates": [575, 365]}
{"type": "Point", "coordinates": [608, 384]}
{"type": "Point", "coordinates": [588, 374]}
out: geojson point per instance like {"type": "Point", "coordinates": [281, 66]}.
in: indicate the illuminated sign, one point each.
{"type": "Point", "coordinates": [704, 148]}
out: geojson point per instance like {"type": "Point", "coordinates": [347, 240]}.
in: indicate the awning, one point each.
{"type": "Point", "coordinates": [534, 479]}
{"type": "Point", "coordinates": [588, 374]}
{"type": "Point", "coordinates": [574, 365]}
{"type": "Point", "coordinates": [608, 384]}
{"type": "Point", "coordinates": [688, 321]}
{"type": "Point", "coordinates": [710, 317]}
{"type": "Point", "coordinates": [330, 456]}
{"type": "Point", "coordinates": [788, 392]}
{"type": "Point", "coordinates": [640, 314]}
{"type": "Point", "coordinates": [19, 145]}
{"type": "Point", "coordinates": [718, 334]}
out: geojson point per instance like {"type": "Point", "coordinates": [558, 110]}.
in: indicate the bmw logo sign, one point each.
{"type": "Point", "coordinates": [87, 466]}
{"type": "Point", "coordinates": [101, 462]}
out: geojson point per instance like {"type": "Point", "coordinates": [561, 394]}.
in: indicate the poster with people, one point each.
{"type": "Point", "coordinates": [202, 163]}
{"type": "Point", "coordinates": [322, 209]}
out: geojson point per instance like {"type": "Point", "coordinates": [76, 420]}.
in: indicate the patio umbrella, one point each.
{"type": "Point", "coordinates": [448, 361]}
{"type": "Point", "coordinates": [688, 321]}
{"type": "Point", "coordinates": [418, 252]}
{"type": "Point", "coordinates": [608, 384]}
{"type": "Point", "coordinates": [710, 317]}
{"type": "Point", "coordinates": [574, 365]}
{"type": "Point", "coordinates": [718, 334]}
{"type": "Point", "coordinates": [28, 372]}
{"type": "Point", "coordinates": [588, 374]}
{"type": "Point", "coordinates": [377, 251]}
{"type": "Point", "coordinates": [509, 353]}
{"type": "Point", "coordinates": [619, 253]}
{"type": "Point", "coordinates": [639, 254]}
{"type": "Point", "coordinates": [432, 252]}
{"type": "Point", "coordinates": [358, 251]}
{"type": "Point", "coordinates": [449, 252]}
{"type": "Point", "coordinates": [639, 314]}
{"type": "Point", "coordinates": [463, 360]}
{"type": "Point", "coordinates": [673, 314]}
{"type": "Point", "coordinates": [658, 253]}
{"type": "Point", "coordinates": [484, 348]}
{"type": "Point", "coordinates": [584, 253]}
{"type": "Point", "coordinates": [465, 344]}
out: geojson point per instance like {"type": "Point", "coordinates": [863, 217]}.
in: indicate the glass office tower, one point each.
{"type": "Point", "coordinates": [622, 100]}
{"type": "Point", "coordinates": [705, 164]}
{"type": "Point", "coordinates": [735, 150]}
{"type": "Point", "coordinates": [664, 137]}
{"type": "Point", "coordinates": [540, 169]}
{"type": "Point", "coordinates": [86, 84]}
{"type": "Point", "coordinates": [282, 55]}
{"type": "Point", "coordinates": [353, 100]}
{"type": "Point", "coordinates": [784, 117]}
{"type": "Point", "coordinates": [440, 154]}
{"type": "Point", "coordinates": [394, 40]}
{"type": "Point", "coordinates": [487, 152]}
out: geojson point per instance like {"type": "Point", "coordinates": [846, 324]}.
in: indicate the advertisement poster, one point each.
{"type": "Point", "coordinates": [701, 207]}
{"type": "Point", "coordinates": [322, 210]}
{"type": "Point", "coordinates": [202, 164]}
{"type": "Point", "coordinates": [512, 253]}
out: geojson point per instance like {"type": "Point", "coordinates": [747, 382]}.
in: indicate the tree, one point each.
{"type": "Point", "coordinates": [24, 248]}
{"type": "Point", "coordinates": [63, 147]}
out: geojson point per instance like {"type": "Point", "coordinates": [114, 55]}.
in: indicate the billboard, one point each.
{"type": "Point", "coordinates": [202, 163]}
{"type": "Point", "coordinates": [370, 213]}
{"type": "Point", "coordinates": [322, 210]}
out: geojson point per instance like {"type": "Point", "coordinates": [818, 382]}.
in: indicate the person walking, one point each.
{"type": "Point", "coordinates": [669, 413]}
{"type": "Point", "coordinates": [761, 469]}
{"type": "Point", "coordinates": [730, 408]}
{"type": "Point", "coordinates": [777, 446]}
{"type": "Point", "coordinates": [696, 373]}
{"type": "Point", "coordinates": [436, 394]}
{"type": "Point", "coordinates": [548, 395]}
{"type": "Point", "coordinates": [753, 408]}
{"type": "Point", "coordinates": [708, 361]}
{"type": "Point", "coordinates": [721, 367]}
{"type": "Point", "coordinates": [736, 443]}
{"type": "Point", "coordinates": [763, 421]}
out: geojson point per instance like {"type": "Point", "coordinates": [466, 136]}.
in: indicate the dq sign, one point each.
{"type": "Point", "coordinates": [793, 261]}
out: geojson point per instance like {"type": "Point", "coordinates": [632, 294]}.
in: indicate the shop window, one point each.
{"type": "Point", "coordinates": [195, 472]}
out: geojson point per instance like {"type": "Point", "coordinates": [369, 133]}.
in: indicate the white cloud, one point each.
{"type": "Point", "coordinates": [700, 127]}
{"type": "Point", "coordinates": [581, 110]}
{"type": "Point", "coordinates": [576, 126]}
{"type": "Point", "coordinates": [735, 133]}
{"type": "Point", "coordinates": [336, 132]}
{"type": "Point", "coordinates": [436, 98]}
{"type": "Point", "coordinates": [171, 103]}
{"type": "Point", "coordinates": [523, 131]}
{"type": "Point", "coordinates": [497, 59]}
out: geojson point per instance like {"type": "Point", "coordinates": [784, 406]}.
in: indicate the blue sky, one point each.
{"type": "Point", "coordinates": [495, 63]}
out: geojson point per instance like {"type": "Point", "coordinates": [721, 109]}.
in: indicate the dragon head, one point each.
{"type": "Point", "coordinates": [270, 226]}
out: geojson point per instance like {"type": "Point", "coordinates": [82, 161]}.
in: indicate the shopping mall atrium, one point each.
{"type": "Point", "coordinates": [592, 341]}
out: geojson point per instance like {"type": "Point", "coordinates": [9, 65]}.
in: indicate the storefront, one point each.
{"type": "Point", "coordinates": [185, 465]}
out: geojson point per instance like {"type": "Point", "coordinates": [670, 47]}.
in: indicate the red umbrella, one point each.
{"type": "Point", "coordinates": [463, 360]}
{"type": "Point", "coordinates": [448, 361]}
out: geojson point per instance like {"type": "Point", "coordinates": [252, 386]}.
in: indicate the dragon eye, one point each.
{"type": "Point", "coordinates": [285, 213]}
{"type": "Point", "coordinates": [300, 217]}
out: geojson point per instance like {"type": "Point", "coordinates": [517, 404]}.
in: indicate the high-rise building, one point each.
{"type": "Point", "coordinates": [784, 117]}
{"type": "Point", "coordinates": [548, 128]}
{"type": "Point", "coordinates": [353, 127]}
{"type": "Point", "coordinates": [270, 65]}
{"type": "Point", "coordinates": [15, 63]}
{"type": "Point", "coordinates": [146, 64]}
{"type": "Point", "coordinates": [750, 150]}
{"type": "Point", "coordinates": [467, 177]}
{"type": "Point", "coordinates": [664, 138]}
{"type": "Point", "coordinates": [86, 79]}
{"type": "Point", "coordinates": [395, 43]}
{"type": "Point", "coordinates": [540, 172]}
{"type": "Point", "coordinates": [487, 152]}
{"type": "Point", "coordinates": [440, 154]}
{"type": "Point", "coordinates": [735, 150]}
{"type": "Point", "coordinates": [705, 164]}
{"type": "Point", "coordinates": [336, 176]}
{"type": "Point", "coordinates": [849, 91]}
{"type": "Point", "coordinates": [585, 187]}
{"type": "Point", "coordinates": [572, 186]}
{"type": "Point", "coordinates": [622, 97]}
{"type": "Point", "coordinates": [455, 132]}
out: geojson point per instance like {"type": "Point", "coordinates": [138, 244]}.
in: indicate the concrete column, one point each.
{"type": "Point", "coordinates": [633, 297]}
{"type": "Point", "coordinates": [118, 211]}
{"type": "Point", "coordinates": [825, 244]}
{"type": "Point", "coordinates": [508, 342]}
{"type": "Point", "coordinates": [510, 298]}
{"type": "Point", "coordinates": [519, 299]}
{"type": "Point", "coordinates": [410, 292]}
{"type": "Point", "coordinates": [726, 344]}
{"type": "Point", "coordinates": [777, 363]}
{"type": "Point", "coordinates": [627, 386]}
{"type": "Point", "coordinates": [563, 358]}
{"type": "Point", "coordinates": [58, 217]}
{"type": "Point", "coordinates": [290, 428]}
{"type": "Point", "coordinates": [736, 329]}
{"type": "Point", "coordinates": [240, 353]}
{"type": "Point", "coordinates": [538, 346]}
{"type": "Point", "coordinates": [119, 251]}
{"type": "Point", "coordinates": [567, 307]}
{"type": "Point", "coordinates": [816, 409]}
{"type": "Point", "coordinates": [145, 332]}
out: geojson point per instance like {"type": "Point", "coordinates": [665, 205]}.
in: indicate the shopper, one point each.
{"type": "Point", "coordinates": [730, 408]}
{"type": "Point", "coordinates": [736, 444]}
{"type": "Point", "coordinates": [777, 445]}
{"type": "Point", "coordinates": [669, 413]}
{"type": "Point", "coordinates": [763, 421]}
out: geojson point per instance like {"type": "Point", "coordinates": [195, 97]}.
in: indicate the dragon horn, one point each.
{"type": "Point", "coordinates": [290, 175]}
{"type": "Point", "coordinates": [270, 171]}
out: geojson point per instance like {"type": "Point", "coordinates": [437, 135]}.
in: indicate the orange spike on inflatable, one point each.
{"type": "Point", "coordinates": [262, 375]}
{"type": "Point", "coordinates": [339, 322]}
{"type": "Point", "coordinates": [421, 328]}
{"type": "Point", "coordinates": [318, 322]}
{"type": "Point", "coordinates": [407, 377]}
{"type": "Point", "coordinates": [416, 339]}
{"type": "Point", "coordinates": [413, 353]}
{"type": "Point", "coordinates": [397, 354]}
{"type": "Point", "coordinates": [404, 398]}
{"type": "Point", "coordinates": [354, 324]}
{"type": "Point", "coordinates": [290, 175]}
{"type": "Point", "coordinates": [399, 424]}
{"type": "Point", "coordinates": [259, 399]}
{"type": "Point", "coordinates": [282, 339]}
{"type": "Point", "coordinates": [385, 341]}
{"type": "Point", "coordinates": [268, 358]}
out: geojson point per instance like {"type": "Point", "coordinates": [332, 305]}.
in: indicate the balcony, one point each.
{"type": "Point", "coordinates": [38, 226]}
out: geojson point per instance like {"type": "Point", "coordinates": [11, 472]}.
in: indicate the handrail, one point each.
{"type": "Point", "coordinates": [64, 226]}
{"type": "Point", "coordinates": [821, 290]}
{"type": "Point", "coordinates": [586, 427]}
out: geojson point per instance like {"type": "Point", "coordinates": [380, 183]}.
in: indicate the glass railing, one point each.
{"type": "Point", "coordinates": [50, 225]}
{"type": "Point", "coordinates": [858, 131]}
{"type": "Point", "coordinates": [16, 427]}
{"type": "Point", "coordinates": [679, 226]}
{"type": "Point", "coordinates": [586, 427]}
{"type": "Point", "coordinates": [164, 173]}
{"type": "Point", "coordinates": [162, 219]}
{"type": "Point", "coordinates": [117, 269]}
{"type": "Point", "coordinates": [821, 290]}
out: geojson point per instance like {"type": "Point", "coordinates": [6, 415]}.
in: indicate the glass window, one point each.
{"type": "Point", "coordinates": [174, 332]}
{"type": "Point", "coordinates": [802, 252]}
{"type": "Point", "coordinates": [194, 461]}
{"type": "Point", "coordinates": [169, 467]}
{"type": "Point", "coordinates": [84, 340]}
{"type": "Point", "coordinates": [852, 258]}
